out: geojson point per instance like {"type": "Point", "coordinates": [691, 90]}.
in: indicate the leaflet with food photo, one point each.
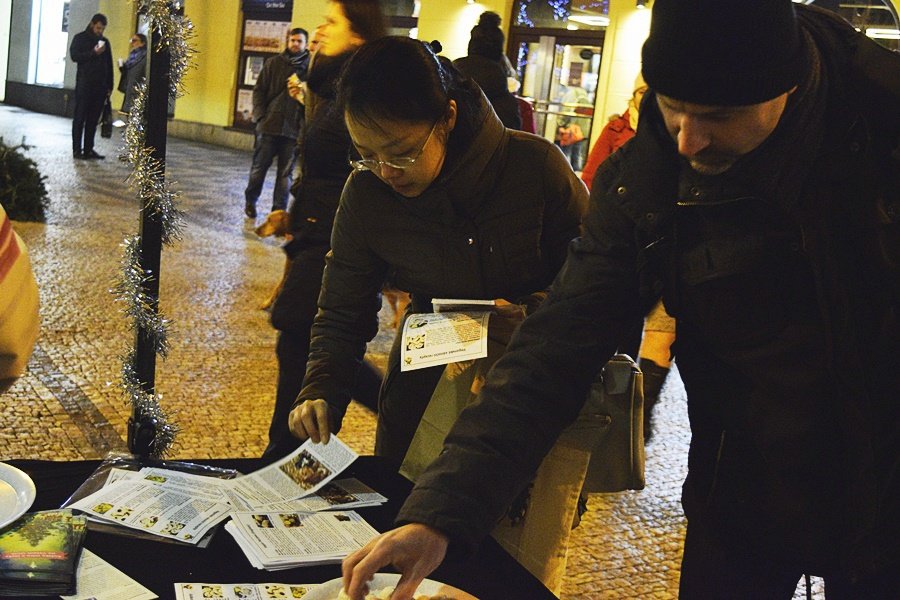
{"type": "Point", "coordinates": [241, 591]}
{"type": "Point", "coordinates": [302, 472]}
{"type": "Point", "coordinates": [150, 507]}
{"type": "Point", "coordinates": [339, 494]}
{"type": "Point", "coordinates": [432, 339]}
{"type": "Point", "coordinates": [280, 540]}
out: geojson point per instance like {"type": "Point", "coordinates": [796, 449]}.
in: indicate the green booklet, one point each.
{"type": "Point", "coordinates": [39, 553]}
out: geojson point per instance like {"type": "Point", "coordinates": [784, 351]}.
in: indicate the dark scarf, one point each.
{"type": "Point", "coordinates": [298, 61]}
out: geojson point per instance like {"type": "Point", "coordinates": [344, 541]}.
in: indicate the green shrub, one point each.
{"type": "Point", "coordinates": [22, 191]}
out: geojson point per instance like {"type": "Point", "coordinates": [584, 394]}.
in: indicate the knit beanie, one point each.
{"type": "Point", "coordinates": [486, 37]}
{"type": "Point", "coordinates": [723, 52]}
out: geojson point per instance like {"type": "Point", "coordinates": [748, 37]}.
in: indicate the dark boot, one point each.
{"type": "Point", "coordinates": [250, 209]}
{"type": "Point", "coordinates": [654, 378]}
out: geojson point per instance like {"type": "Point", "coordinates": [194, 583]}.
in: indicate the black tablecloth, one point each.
{"type": "Point", "coordinates": [491, 574]}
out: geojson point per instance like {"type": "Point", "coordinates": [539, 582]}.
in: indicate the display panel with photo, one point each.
{"type": "Point", "coordinates": [265, 36]}
{"type": "Point", "coordinates": [243, 112]}
{"type": "Point", "coordinates": [252, 68]}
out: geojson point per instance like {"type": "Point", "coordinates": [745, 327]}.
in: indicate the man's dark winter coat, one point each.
{"type": "Point", "coordinates": [784, 277]}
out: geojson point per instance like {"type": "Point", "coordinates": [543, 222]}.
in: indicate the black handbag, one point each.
{"type": "Point", "coordinates": [106, 125]}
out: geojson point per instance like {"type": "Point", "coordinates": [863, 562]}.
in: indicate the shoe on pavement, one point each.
{"type": "Point", "coordinates": [77, 154]}
{"type": "Point", "coordinates": [250, 209]}
{"type": "Point", "coordinates": [92, 155]}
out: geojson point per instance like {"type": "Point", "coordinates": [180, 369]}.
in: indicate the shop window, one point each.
{"type": "Point", "coordinates": [49, 42]}
{"type": "Point", "coordinates": [561, 14]}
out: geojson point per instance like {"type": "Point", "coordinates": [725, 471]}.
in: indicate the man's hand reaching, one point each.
{"type": "Point", "coordinates": [415, 550]}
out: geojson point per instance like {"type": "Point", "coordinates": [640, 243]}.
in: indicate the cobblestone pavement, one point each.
{"type": "Point", "coordinates": [221, 371]}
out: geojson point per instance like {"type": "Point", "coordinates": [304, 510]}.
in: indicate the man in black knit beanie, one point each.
{"type": "Point", "coordinates": [760, 200]}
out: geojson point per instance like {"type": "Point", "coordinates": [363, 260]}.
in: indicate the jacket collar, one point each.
{"type": "Point", "coordinates": [467, 178]}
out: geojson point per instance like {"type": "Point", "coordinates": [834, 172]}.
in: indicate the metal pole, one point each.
{"type": "Point", "coordinates": [142, 428]}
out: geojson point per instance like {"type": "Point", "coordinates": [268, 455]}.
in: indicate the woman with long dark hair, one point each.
{"type": "Point", "coordinates": [323, 170]}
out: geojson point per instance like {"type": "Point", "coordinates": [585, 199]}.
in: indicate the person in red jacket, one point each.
{"type": "Point", "coordinates": [619, 130]}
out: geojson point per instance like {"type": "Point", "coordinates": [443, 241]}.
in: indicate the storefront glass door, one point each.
{"type": "Point", "coordinates": [559, 76]}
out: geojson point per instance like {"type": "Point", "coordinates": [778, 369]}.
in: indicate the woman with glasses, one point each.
{"type": "Point", "coordinates": [447, 203]}
{"type": "Point", "coordinates": [324, 145]}
{"type": "Point", "coordinates": [132, 70]}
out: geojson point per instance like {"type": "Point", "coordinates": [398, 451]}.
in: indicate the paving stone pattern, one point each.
{"type": "Point", "coordinates": [220, 375]}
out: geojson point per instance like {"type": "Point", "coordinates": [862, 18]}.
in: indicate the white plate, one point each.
{"type": "Point", "coordinates": [16, 494]}
{"type": "Point", "coordinates": [330, 589]}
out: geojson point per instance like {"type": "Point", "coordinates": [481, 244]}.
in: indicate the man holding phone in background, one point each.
{"type": "Point", "coordinates": [278, 121]}
{"type": "Point", "coordinates": [93, 85]}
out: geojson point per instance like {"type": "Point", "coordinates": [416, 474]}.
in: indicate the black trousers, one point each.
{"type": "Point", "coordinates": [88, 106]}
{"type": "Point", "coordinates": [716, 568]}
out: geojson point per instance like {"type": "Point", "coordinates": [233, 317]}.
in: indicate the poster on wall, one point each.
{"type": "Point", "coordinates": [252, 68]}
{"type": "Point", "coordinates": [265, 36]}
{"type": "Point", "coordinates": [243, 112]}
{"type": "Point", "coordinates": [65, 18]}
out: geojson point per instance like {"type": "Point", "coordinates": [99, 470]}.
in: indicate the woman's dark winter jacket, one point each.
{"type": "Point", "coordinates": [491, 78]}
{"type": "Point", "coordinates": [495, 224]}
{"type": "Point", "coordinates": [325, 145]}
{"type": "Point", "coordinates": [784, 276]}
{"type": "Point", "coordinates": [325, 148]}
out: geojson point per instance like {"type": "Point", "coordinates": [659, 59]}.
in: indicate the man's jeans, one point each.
{"type": "Point", "coordinates": [88, 106]}
{"type": "Point", "coordinates": [268, 147]}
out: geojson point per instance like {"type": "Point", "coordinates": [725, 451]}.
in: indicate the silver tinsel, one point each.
{"type": "Point", "coordinates": [159, 197]}
{"type": "Point", "coordinates": [148, 406]}
{"type": "Point", "coordinates": [138, 305]}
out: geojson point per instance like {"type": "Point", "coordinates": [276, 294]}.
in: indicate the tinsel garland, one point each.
{"type": "Point", "coordinates": [159, 197]}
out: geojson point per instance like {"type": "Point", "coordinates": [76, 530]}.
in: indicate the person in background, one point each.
{"type": "Point", "coordinates": [485, 65]}
{"type": "Point", "coordinates": [19, 317]}
{"type": "Point", "coordinates": [93, 85]}
{"type": "Point", "coordinates": [619, 130]}
{"type": "Point", "coordinates": [278, 119]}
{"type": "Point", "coordinates": [325, 145]}
{"type": "Point", "coordinates": [572, 131]}
{"type": "Point", "coordinates": [760, 198]}
{"type": "Point", "coordinates": [654, 347]}
{"type": "Point", "coordinates": [133, 70]}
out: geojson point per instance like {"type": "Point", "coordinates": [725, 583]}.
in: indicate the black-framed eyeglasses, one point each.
{"type": "Point", "coordinates": [401, 162]}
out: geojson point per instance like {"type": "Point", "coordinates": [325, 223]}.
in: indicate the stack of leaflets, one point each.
{"type": "Point", "coordinates": [276, 540]}
{"type": "Point", "coordinates": [278, 512]}
{"type": "Point", "coordinates": [170, 504]}
{"type": "Point", "coordinates": [39, 554]}
{"type": "Point", "coordinates": [275, 520]}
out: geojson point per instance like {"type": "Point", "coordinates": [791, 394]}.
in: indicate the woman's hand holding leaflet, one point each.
{"type": "Point", "coordinates": [310, 420]}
